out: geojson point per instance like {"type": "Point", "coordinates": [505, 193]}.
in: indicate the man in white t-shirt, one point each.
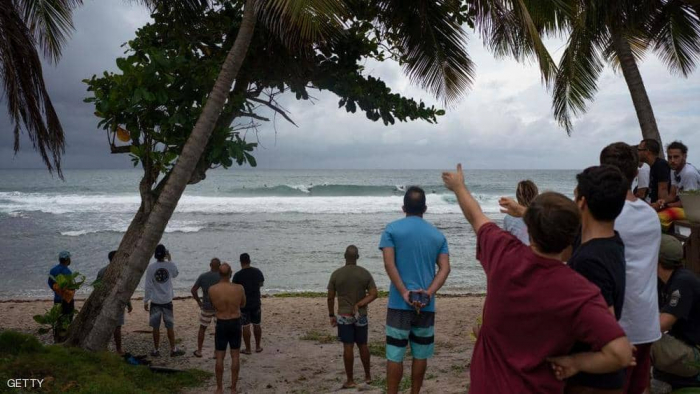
{"type": "Point", "coordinates": [640, 186]}
{"type": "Point", "coordinates": [684, 177]}
{"type": "Point", "coordinates": [638, 226]}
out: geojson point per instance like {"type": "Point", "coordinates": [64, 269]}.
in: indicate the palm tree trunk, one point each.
{"type": "Point", "coordinates": [93, 330]}
{"type": "Point", "coordinates": [640, 99]}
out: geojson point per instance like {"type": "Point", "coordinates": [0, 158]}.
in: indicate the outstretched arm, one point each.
{"type": "Point", "coordinates": [470, 207]}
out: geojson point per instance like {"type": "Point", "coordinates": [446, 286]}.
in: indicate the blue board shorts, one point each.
{"type": "Point", "coordinates": [404, 326]}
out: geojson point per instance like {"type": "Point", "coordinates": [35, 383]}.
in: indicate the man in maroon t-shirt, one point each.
{"type": "Point", "coordinates": [536, 307]}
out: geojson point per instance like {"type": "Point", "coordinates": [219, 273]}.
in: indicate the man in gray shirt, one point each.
{"type": "Point", "coordinates": [120, 318]}
{"type": "Point", "coordinates": [159, 291]}
{"type": "Point", "coordinates": [204, 282]}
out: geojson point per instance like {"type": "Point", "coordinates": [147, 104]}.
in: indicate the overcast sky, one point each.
{"type": "Point", "coordinates": [504, 122]}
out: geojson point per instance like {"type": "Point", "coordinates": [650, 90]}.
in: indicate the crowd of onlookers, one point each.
{"type": "Point", "coordinates": [583, 296]}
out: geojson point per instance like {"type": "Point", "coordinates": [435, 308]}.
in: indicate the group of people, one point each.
{"type": "Point", "coordinates": [583, 295]}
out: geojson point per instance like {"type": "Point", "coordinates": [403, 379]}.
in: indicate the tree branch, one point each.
{"type": "Point", "coordinates": [274, 108]}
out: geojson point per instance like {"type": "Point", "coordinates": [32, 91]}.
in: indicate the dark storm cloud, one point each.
{"type": "Point", "coordinates": [504, 122]}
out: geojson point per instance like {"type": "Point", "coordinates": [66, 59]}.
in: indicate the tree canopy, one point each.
{"type": "Point", "coordinates": [169, 70]}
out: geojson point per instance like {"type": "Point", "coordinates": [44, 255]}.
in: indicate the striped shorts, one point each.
{"type": "Point", "coordinates": [205, 317]}
{"type": "Point", "coordinates": [404, 326]}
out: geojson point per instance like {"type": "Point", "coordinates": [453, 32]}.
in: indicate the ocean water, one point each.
{"type": "Point", "coordinates": [295, 224]}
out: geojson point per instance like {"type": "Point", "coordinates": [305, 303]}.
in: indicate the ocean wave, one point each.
{"type": "Point", "coordinates": [173, 227]}
{"type": "Point", "coordinates": [128, 204]}
{"type": "Point", "coordinates": [325, 190]}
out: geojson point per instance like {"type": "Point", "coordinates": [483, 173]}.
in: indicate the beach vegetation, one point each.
{"type": "Point", "coordinates": [72, 370]}
{"type": "Point", "coordinates": [318, 336]}
{"type": "Point", "coordinates": [380, 382]}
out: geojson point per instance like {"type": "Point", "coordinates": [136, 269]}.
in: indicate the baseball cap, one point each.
{"type": "Point", "coordinates": [671, 251]}
{"type": "Point", "coordinates": [64, 255]}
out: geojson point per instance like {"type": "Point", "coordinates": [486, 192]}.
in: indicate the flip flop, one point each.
{"type": "Point", "coordinates": [349, 387]}
{"type": "Point", "coordinates": [258, 350]}
{"type": "Point", "coordinates": [197, 354]}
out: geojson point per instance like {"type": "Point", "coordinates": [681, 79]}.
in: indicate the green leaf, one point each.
{"type": "Point", "coordinates": [251, 159]}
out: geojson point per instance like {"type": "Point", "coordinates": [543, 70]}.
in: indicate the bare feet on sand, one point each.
{"type": "Point", "coordinates": [350, 384]}
{"type": "Point", "coordinates": [246, 351]}
{"type": "Point", "coordinates": [258, 349]}
{"type": "Point", "coordinates": [368, 379]}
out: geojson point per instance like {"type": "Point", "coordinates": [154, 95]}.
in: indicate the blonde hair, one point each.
{"type": "Point", "coordinates": [526, 192]}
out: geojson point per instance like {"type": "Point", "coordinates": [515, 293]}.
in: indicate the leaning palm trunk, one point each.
{"type": "Point", "coordinates": [94, 325]}
{"type": "Point", "coordinates": [640, 99]}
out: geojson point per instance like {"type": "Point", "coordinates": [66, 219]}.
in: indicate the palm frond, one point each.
{"type": "Point", "coordinates": [432, 45]}
{"type": "Point", "coordinates": [639, 44]}
{"type": "Point", "coordinates": [50, 22]}
{"type": "Point", "coordinates": [28, 102]}
{"type": "Point", "coordinates": [580, 66]}
{"type": "Point", "coordinates": [675, 35]}
{"type": "Point", "coordinates": [297, 22]}
{"type": "Point", "coordinates": [514, 28]}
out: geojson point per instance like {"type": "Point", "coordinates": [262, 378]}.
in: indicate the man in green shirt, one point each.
{"type": "Point", "coordinates": [355, 289]}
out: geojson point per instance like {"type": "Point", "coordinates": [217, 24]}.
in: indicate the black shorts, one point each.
{"type": "Point", "coordinates": [352, 331]}
{"type": "Point", "coordinates": [228, 333]}
{"type": "Point", "coordinates": [251, 315]}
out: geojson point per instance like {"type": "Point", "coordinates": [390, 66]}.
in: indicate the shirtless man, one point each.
{"type": "Point", "coordinates": [228, 299]}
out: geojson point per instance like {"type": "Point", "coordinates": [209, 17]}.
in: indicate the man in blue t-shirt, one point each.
{"type": "Point", "coordinates": [412, 248]}
{"type": "Point", "coordinates": [67, 308]}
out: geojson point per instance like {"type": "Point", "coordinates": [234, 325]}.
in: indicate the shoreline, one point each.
{"type": "Point", "coordinates": [301, 294]}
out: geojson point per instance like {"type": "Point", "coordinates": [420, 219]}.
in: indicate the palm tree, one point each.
{"type": "Point", "coordinates": [24, 26]}
{"type": "Point", "coordinates": [620, 32]}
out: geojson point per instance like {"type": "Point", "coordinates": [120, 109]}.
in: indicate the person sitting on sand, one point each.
{"type": "Point", "coordinates": [159, 291]}
{"type": "Point", "coordinates": [228, 299]}
{"type": "Point", "coordinates": [355, 289]}
{"type": "Point", "coordinates": [675, 354]}
{"type": "Point", "coordinates": [525, 193]}
{"type": "Point", "coordinates": [600, 258]}
{"type": "Point", "coordinates": [120, 318]}
{"type": "Point", "coordinates": [204, 282]}
{"type": "Point", "coordinates": [536, 307]}
{"type": "Point", "coordinates": [67, 307]}
{"type": "Point", "coordinates": [252, 280]}
{"type": "Point", "coordinates": [411, 248]}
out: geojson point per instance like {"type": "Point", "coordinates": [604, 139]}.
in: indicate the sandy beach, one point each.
{"type": "Point", "coordinates": [300, 354]}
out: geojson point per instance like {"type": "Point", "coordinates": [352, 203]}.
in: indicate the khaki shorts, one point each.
{"type": "Point", "coordinates": [674, 356]}
{"type": "Point", "coordinates": [205, 317]}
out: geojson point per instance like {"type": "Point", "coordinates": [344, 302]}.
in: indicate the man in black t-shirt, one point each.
{"type": "Point", "coordinates": [600, 258]}
{"type": "Point", "coordinates": [659, 172]}
{"type": "Point", "coordinates": [679, 307]}
{"type": "Point", "coordinates": [252, 280]}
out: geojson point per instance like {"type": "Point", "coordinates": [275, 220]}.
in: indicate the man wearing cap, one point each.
{"type": "Point", "coordinates": [67, 308]}
{"type": "Point", "coordinates": [679, 305]}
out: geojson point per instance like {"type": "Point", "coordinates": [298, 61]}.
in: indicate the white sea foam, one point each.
{"type": "Point", "coordinates": [120, 225]}
{"type": "Point", "coordinates": [16, 203]}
